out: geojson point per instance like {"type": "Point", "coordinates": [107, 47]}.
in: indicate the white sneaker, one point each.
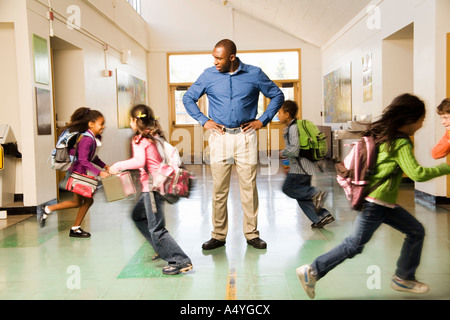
{"type": "Point", "coordinates": [47, 212]}
{"type": "Point", "coordinates": [412, 286]}
{"type": "Point", "coordinates": [307, 280]}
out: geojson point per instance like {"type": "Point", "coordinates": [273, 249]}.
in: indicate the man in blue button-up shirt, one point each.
{"type": "Point", "coordinates": [233, 89]}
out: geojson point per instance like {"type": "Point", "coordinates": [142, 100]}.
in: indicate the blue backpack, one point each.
{"type": "Point", "coordinates": [60, 157]}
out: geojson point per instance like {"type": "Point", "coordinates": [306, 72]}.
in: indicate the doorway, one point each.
{"type": "Point", "coordinates": [448, 96]}
{"type": "Point", "coordinates": [398, 63]}
{"type": "Point", "coordinates": [68, 85]}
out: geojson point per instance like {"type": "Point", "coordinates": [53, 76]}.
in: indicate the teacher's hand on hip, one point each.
{"type": "Point", "coordinates": [252, 125]}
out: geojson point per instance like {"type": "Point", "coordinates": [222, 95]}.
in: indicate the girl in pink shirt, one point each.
{"type": "Point", "coordinates": [147, 159]}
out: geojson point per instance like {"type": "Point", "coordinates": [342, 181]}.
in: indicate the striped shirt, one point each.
{"type": "Point", "coordinates": [292, 152]}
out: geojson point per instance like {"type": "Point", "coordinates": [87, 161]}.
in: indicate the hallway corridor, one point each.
{"type": "Point", "coordinates": [115, 263]}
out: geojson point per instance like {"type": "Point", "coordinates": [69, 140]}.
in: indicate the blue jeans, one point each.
{"type": "Point", "coordinates": [366, 224]}
{"type": "Point", "coordinates": [153, 228]}
{"type": "Point", "coordinates": [298, 186]}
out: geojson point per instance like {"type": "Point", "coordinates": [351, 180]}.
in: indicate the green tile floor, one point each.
{"type": "Point", "coordinates": [115, 263]}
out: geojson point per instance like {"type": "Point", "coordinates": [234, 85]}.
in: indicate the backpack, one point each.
{"type": "Point", "coordinates": [171, 180]}
{"type": "Point", "coordinates": [60, 157]}
{"type": "Point", "coordinates": [354, 172]}
{"type": "Point", "coordinates": [313, 143]}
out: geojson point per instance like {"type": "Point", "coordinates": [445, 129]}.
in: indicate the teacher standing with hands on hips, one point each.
{"type": "Point", "coordinates": [233, 88]}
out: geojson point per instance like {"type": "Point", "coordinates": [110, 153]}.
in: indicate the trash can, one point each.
{"type": "Point", "coordinates": [342, 141]}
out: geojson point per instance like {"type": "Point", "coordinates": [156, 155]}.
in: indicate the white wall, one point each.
{"type": "Point", "coordinates": [20, 112]}
{"type": "Point", "coordinates": [121, 28]}
{"type": "Point", "coordinates": [9, 94]}
{"type": "Point", "coordinates": [428, 67]}
{"type": "Point", "coordinates": [197, 25]}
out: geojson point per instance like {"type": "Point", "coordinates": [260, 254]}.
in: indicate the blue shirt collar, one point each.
{"type": "Point", "coordinates": [242, 67]}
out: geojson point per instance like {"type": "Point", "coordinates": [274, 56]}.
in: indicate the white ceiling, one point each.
{"type": "Point", "coordinates": [314, 21]}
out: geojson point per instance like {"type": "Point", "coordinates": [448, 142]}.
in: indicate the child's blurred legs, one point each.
{"type": "Point", "coordinates": [298, 186]}
{"type": "Point", "coordinates": [152, 226]}
{"type": "Point", "coordinates": [364, 227]}
{"type": "Point", "coordinates": [78, 201]}
{"type": "Point", "coordinates": [75, 203]}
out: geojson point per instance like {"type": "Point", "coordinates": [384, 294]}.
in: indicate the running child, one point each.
{"type": "Point", "coordinates": [90, 123]}
{"type": "Point", "coordinates": [146, 158]}
{"type": "Point", "coordinates": [298, 180]}
{"type": "Point", "coordinates": [400, 120]}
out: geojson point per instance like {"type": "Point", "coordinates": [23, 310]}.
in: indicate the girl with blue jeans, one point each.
{"type": "Point", "coordinates": [400, 120]}
{"type": "Point", "coordinates": [150, 222]}
{"type": "Point", "coordinates": [152, 226]}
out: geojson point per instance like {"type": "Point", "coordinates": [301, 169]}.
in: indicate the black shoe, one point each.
{"type": "Point", "coordinates": [328, 219]}
{"type": "Point", "coordinates": [212, 244]}
{"type": "Point", "coordinates": [41, 219]}
{"type": "Point", "coordinates": [42, 216]}
{"type": "Point", "coordinates": [79, 233]}
{"type": "Point", "coordinates": [257, 243]}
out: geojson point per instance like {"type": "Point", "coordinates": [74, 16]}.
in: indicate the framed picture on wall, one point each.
{"type": "Point", "coordinates": [367, 78]}
{"type": "Point", "coordinates": [130, 92]}
{"type": "Point", "coordinates": [41, 60]}
{"type": "Point", "coordinates": [338, 95]}
{"type": "Point", "coordinates": [43, 112]}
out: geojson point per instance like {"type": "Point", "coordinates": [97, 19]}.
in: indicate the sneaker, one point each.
{"type": "Point", "coordinates": [79, 233]}
{"type": "Point", "coordinates": [307, 280]}
{"type": "Point", "coordinates": [177, 269]}
{"type": "Point", "coordinates": [318, 199]}
{"type": "Point", "coordinates": [412, 286]}
{"type": "Point", "coordinates": [156, 257]}
{"type": "Point", "coordinates": [322, 223]}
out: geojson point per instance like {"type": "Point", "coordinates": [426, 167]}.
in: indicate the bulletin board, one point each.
{"type": "Point", "coordinates": [338, 95]}
{"type": "Point", "coordinates": [130, 92]}
{"type": "Point", "coordinates": [41, 60]}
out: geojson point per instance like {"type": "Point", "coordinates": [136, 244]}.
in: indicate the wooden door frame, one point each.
{"type": "Point", "coordinates": [448, 96]}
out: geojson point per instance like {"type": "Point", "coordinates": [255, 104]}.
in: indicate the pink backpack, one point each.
{"type": "Point", "coordinates": [353, 173]}
{"type": "Point", "coordinates": [171, 180]}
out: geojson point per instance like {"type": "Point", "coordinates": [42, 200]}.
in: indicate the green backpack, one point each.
{"type": "Point", "coordinates": [313, 143]}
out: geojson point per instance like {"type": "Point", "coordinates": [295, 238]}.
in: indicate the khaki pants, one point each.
{"type": "Point", "coordinates": [240, 149]}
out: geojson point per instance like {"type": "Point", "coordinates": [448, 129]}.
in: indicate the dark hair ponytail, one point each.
{"type": "Point", "coordinates": [79, 121]}
{"type": "Point", "coordinates": [146, 123]}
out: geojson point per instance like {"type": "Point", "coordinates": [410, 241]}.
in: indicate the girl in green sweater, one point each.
{"type": "Point", "coordinates": [401, 119]}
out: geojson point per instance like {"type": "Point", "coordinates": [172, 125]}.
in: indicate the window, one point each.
{"type": "Point", "coordinates": [184, 69]}
{"type": "Point", "coordinates": [278, 65]}
{"type": "Point", "coordinates": [136, 4]}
